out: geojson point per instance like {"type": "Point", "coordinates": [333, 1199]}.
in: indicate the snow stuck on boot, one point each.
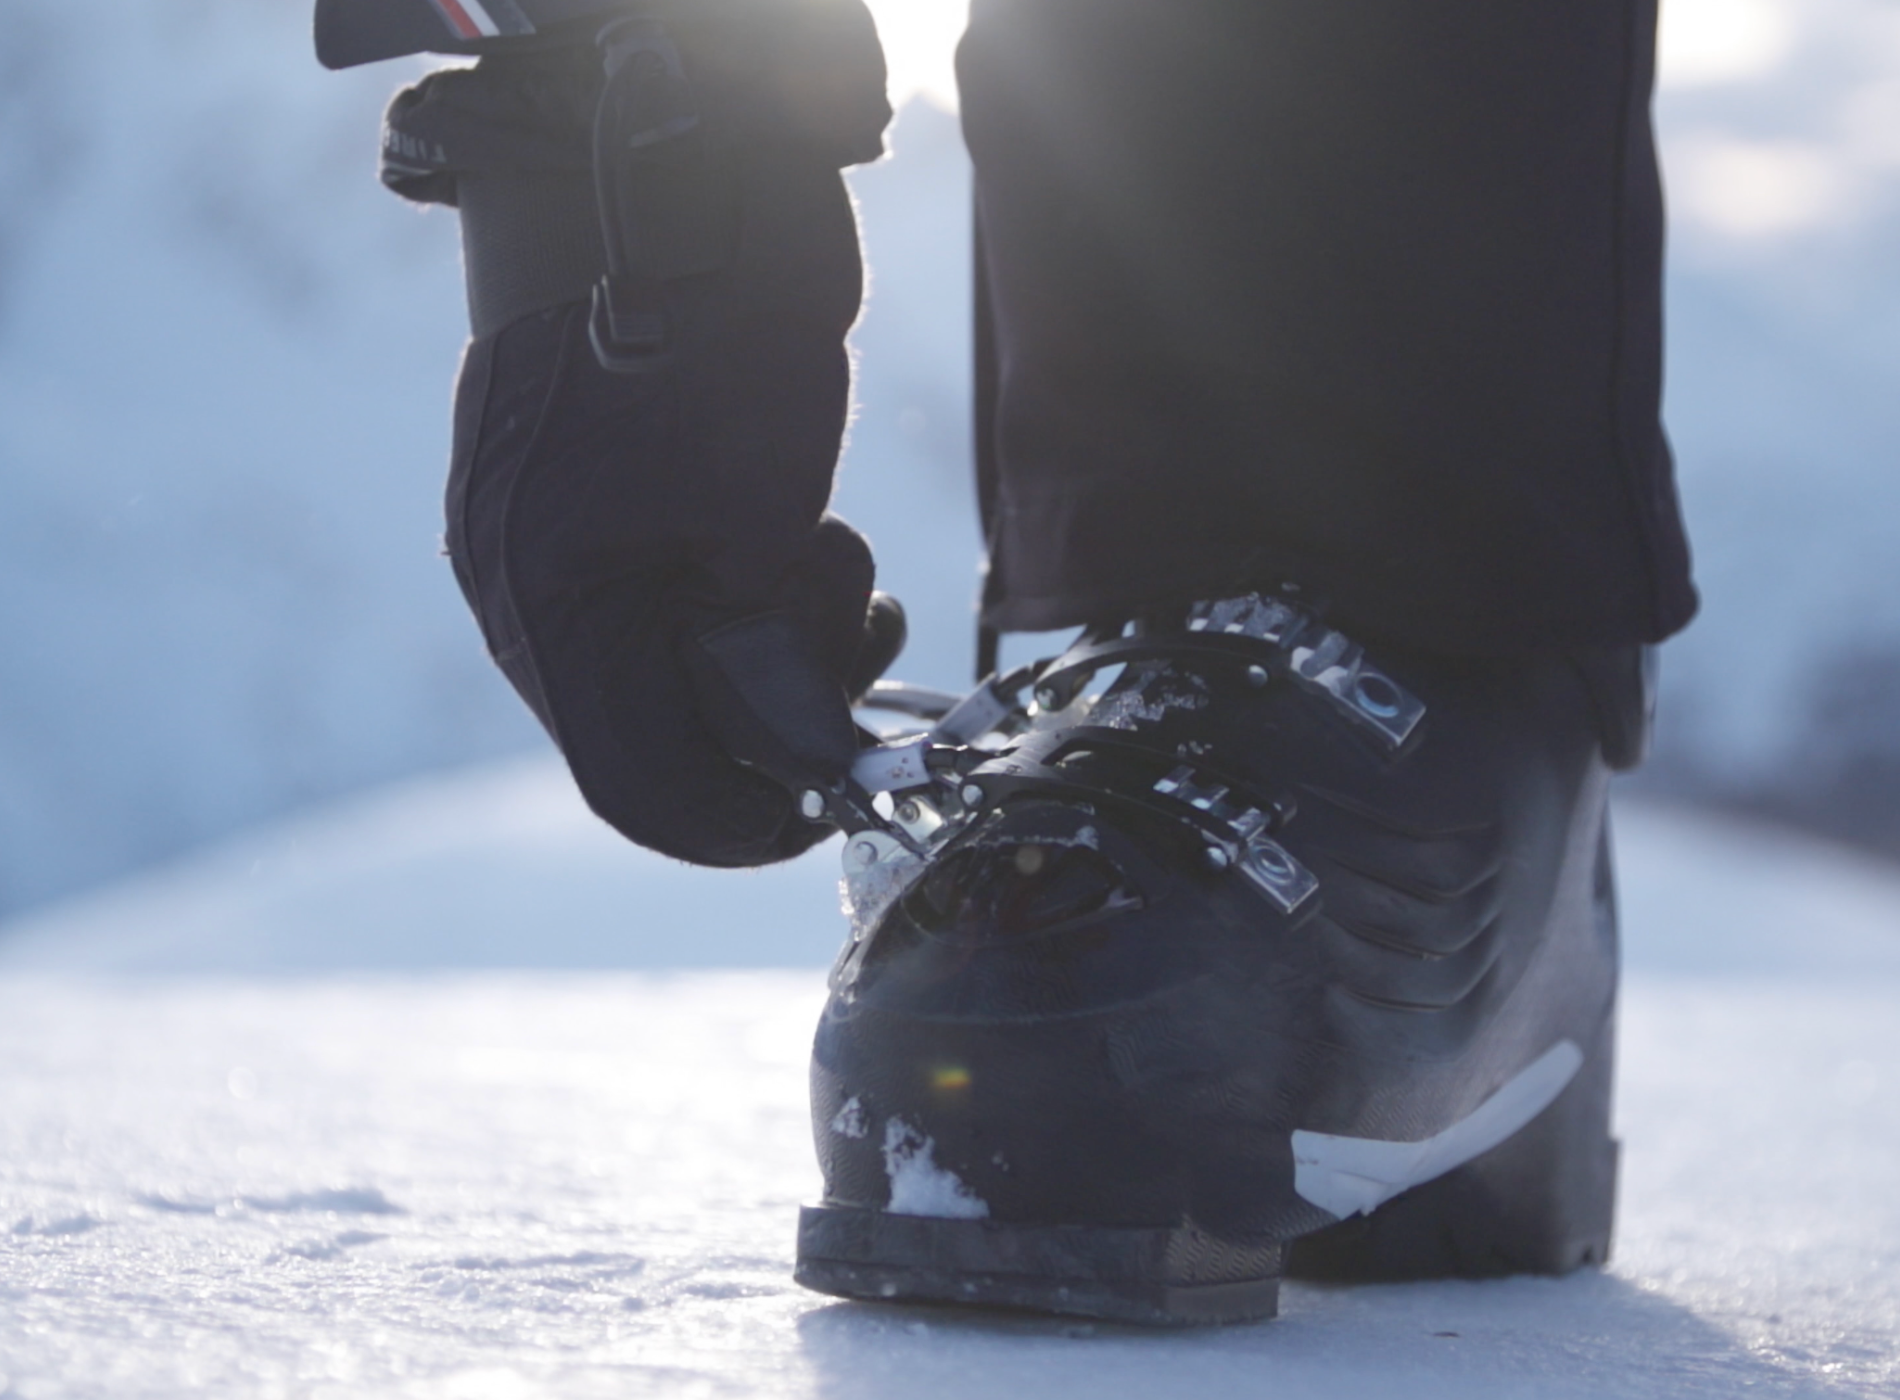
{"type": "Point", "coordinates": [918, 1185]}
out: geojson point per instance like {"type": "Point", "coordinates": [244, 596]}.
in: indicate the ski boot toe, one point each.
{"type": "Point", "coordinates": [1263, 960]}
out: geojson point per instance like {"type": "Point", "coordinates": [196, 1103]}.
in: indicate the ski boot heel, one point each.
{"type": "Point", "coordinates": [1158, 1276]}
{"type": "Point", "coordinates": [1542, 1202]}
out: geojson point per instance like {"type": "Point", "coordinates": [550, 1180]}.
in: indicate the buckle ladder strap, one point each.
{"type": "Point", "coordinates": [1261, 638]}
{"type": "Point", "coordinates": [1233, 826]}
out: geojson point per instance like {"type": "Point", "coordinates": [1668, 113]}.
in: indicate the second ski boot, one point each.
{"type": "Point", "coordinates": [1267, 959]}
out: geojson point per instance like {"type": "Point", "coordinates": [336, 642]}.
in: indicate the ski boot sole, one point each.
{"type": "Point", "coordinates": [1542, 1202]}
{"type": "Point", "coordinates": [1155, 1276]}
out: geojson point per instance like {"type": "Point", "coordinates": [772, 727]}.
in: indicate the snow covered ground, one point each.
{"type": "Point", "coordinates": [410, 1170]}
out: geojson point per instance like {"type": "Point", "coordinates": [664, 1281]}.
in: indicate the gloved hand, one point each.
{"type": "Point", "coordinates": [649, 553]}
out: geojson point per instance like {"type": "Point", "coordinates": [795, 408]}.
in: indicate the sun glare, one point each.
{"type": "Point", "coordinates": [920, 41]}
{"type": "Point", "coordinates": [1701, 41]}
{"type": "Point", "coordinates": [1721, 41]}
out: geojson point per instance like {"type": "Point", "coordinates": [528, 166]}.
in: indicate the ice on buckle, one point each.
{"type": "Point", "coordinates": [877, 870]}
{"type": "Point", "coordinates": [1264, 619]}
{"type": "Point", "coordinates": [1160, 690]}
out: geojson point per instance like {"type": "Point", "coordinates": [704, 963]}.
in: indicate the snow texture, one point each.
{"type": "Point", "coordinates": [877, 873]}
{"type": "Point", "coordinates": [399, 1178]}
{"type": "Point", "coordinates": [848, 1121]}
{"type": "Point", "coordinates": [1159, 690]}
{"type": "Point", "coordinates": [498, 867]}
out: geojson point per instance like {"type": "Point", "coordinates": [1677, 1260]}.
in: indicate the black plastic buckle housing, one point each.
{"type": "Point", "coordinates": [647, 108]}
{"type": "Point", "coordinates": [627, 326]}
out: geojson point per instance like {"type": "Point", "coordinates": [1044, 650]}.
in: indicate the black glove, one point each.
{"type": "Point", "coordinates": [649, 553]}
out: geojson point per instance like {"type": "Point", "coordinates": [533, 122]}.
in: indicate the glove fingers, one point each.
{"type": "Point", "coordinates": [827, 587]}
{"type": "Point", "coordinates": [771, 703]}
{"type": "Point", "coordinates": [885, 631]}
{"type": "Point", "coordinates": [642, 751]}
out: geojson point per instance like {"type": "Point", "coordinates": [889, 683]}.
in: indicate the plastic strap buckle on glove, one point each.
{"type": "Point", "coordinates": [664, 211]}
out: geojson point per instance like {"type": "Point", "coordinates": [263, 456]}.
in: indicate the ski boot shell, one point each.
{"type": "Point", "coordinates": [1265, 960]}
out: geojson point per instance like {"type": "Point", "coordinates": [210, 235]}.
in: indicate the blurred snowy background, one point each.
{"type": "Point", "coordinates": [234, 669]}
{"type": "Point", "coordinates": [225, 360]}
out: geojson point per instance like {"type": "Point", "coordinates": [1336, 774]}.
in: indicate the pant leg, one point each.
{"type": "Point", "coordinates": [1363, 295]}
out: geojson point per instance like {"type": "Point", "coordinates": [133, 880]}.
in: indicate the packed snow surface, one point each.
{"type": "Point", "coordinates": [388, 1176]}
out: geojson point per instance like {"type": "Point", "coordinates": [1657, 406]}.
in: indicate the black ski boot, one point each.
{"type": "Point", "coordinates": [1265, 960]}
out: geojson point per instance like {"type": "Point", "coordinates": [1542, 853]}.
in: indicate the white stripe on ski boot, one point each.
{"type": "Point", "coordinates": [1351, 1176]}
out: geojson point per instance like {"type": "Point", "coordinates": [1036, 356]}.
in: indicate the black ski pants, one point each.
{"type": "Point", "coordinates": [1361, 295]}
